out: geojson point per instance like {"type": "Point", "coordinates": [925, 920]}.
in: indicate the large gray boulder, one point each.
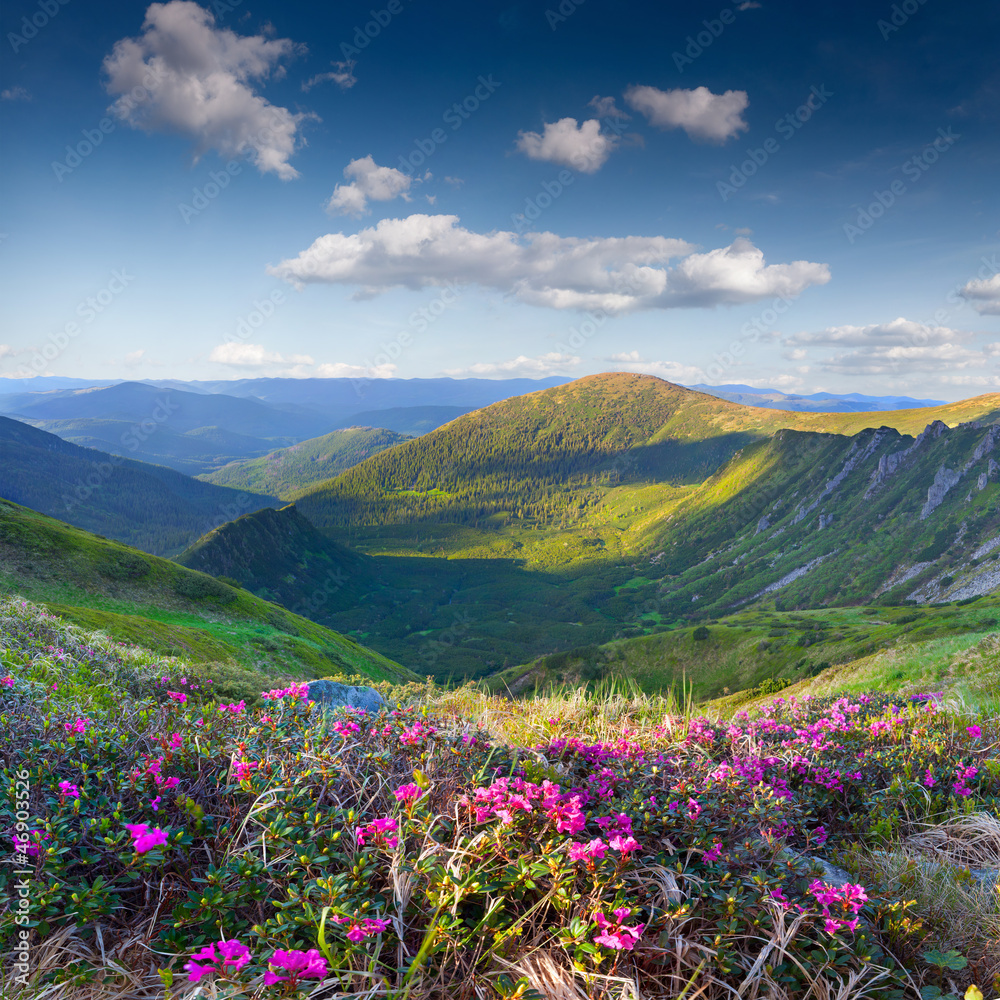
{"type": "Point", "coordinates": [331, 695]}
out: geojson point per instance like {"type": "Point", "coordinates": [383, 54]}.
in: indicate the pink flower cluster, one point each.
{"type": "Point", "coordinates": [69, 790]}
{"type": "Point", "coordinates": [847, 899]}
{"type": "Point", "coordinates": [6, 682]}
{"type": "Point", "coordinates": [299, 964]}
{"type": "Point", "coordinates": [962, 775]}
{"type": "Point", "coordinates": [243, 768]}
{"type": "Point", "coordinates": [145, 839]}
{"type": "Point", "coordinates": [614, 933]}
{"type": "Point", "coordinates": [417, 733]}
{"type": "Point", "coordinates": [236, 707]}
{"type": "Point", "coordinates": [408, 793]}
{"type": "Point", "coordinates": [381, 831]}
{"type": "Point", "coordinates": [359, 929]}
{"type": "Point", "coordinates": [293, 692]}
{"type": "Point", "coordinates": [222, 958]}
{"type": "Point", "coordinates": [22, 845]}
{"type": "Point", "coordinates": [345, 728]}
{"type": "Point", "coordinates": [80, 726]}
{"type": "Point", "coordinates": [154, 767]}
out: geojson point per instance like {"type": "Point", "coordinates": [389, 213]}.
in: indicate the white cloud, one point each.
{"type": "Point", "coordinates": [984, 295]}
{"type": "Point", "coordinates": [706, 117]}
{"type": "Point", "coordinates": [748, 5]}
{"type": "Point", "coordinates": [899, 332]}
{"type": "Point", "coordinates": [6, 351]}
{"type": "Point", "coordinates": [133, 358]}
{"type": "Point", "coordinates": [15, 94]}
{"type": "Point", "coordinates": [909, 360]}
{"type": "Point", "coordinates": [254, 356]}
{"type": "Point", "coordinates": [615, 274]}
{"type": "Point", "coordinates": [342, 75]}
{"type": "Point", "coordinates": [552, 363]}
{"type": "Point", "coordinates": [339, 369]}
{"type": "Point", "coordinates": [370, 182]}
{"type": "Point", "coordinates": [185, 75]}
{"type": "Point", "coordinates": [581, 147]}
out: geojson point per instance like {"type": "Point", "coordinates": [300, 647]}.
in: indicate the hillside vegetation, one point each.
{"type": "Point", "coordinates": [151, 507]}
{"type": "Point", "coordinates": [139, 598]}
{"type": "Point", "coordinates": [620, 506]}
{"type": "Point", "coordinates": [455, 847]}
{"type": "Point", "coordinates": [288, 470]}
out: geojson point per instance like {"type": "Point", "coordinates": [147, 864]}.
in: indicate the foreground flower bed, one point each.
{"type": "Point", "coordinates": [268, 850]}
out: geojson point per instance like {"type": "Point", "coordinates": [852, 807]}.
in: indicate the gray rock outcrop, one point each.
{"type": "Point", "coordinates": [331, 695]}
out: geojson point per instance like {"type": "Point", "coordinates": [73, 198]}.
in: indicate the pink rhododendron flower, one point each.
{"type": "Point", "coordinates": [974, 731]}
{"type": "Point", "coordinates": [713, 853]}
{"type": "Point", "coordinates": [299, 964]}
{"type": "Point", "coordinates": [625, 844]}
{"type": "Point", "coordinates": [7, 682]}
{"type": "Point", "coordinates": [614, 933]}
{"type": "Point", "coordinates": [408, 793]}
{"type": "Point", "coordinates": [69, 790]}
{"type": "Point", "coordinates": [380, 830]}
{"type": "Point", "coordinates": [589, 851]}
{"type": "Point", "coordinates": [80, 726]}
{"type": "Point", "coordinates": [144, 838]}
{"type": "Point", "coordinates": [224, 957]}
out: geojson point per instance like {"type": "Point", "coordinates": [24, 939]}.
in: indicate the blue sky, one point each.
{"type": "Point", "coordinates": [709, 193]}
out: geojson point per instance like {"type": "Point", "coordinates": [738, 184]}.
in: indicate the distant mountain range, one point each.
{"type": "Point", "coordinates": [817, 402]}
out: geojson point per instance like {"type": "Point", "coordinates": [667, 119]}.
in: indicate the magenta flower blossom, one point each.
{"type": "Point", "coordinates": [974, 731]}
{"type": "Point", "coordinates": [155, 803]}
{"type": "Point", "coordinates": [145, 839]}
{"type": "Point", "coordinates": [360, 929]}
{"type": "Point", "coordinates": [587, 852]}
{"type": "Point", "coordinates": [6, 682]}
{"type": "Point", "coordinates": [299, 964]}
{"type": "Point", "coordinates": [380, 830]}
{"type": "Point", "coordinates": [242, 769]}
{"type": "Point", "coordinates": [625, 844]}
{"type": "Point", "coordinates": [177, 696]}
{"type": "Point", "coordinates": [408, 793]}
{"type": "Point", "coordinates": [713, 853]}
{"type": "Point", "coordinates": [80, 726]}
{"type": "Point", "coordinates": [614, 933]}
{"type": "Point", "coordinates": [69, 790]}
{"type": "Point", "coordinates": [224, 957]}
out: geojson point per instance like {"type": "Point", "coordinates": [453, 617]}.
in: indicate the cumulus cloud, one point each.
{"type": "Point", "coordinates": [370, 182]}
{"type": "Point", "coordinates": [581, 147]}
{"type": "Point", "coordinates": [6, 351]}
{"type": "Point", "coordinates": [615, 274]}
{"type": "Point", "coordinates": [134, 358]}
{"type": "Point", "coordinates": [900, 332]}
{"type": "Point", "coordinates": [522, 366]}
{"type": "Point", "coordinates": [984, 295]}
{"type": "Point", "coordinates": [184, 75]}
{"type": "Point", "coordinates": [254, 356]}
{"type": "Point", "coordinates": [342, 75]}
{"type": "Point", "coordinates": [706, 117]}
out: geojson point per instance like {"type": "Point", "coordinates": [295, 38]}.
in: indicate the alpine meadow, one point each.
{"type": "Point", "coordinates": [500, 501]}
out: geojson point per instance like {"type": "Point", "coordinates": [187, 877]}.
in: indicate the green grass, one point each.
{"type": "Point", "coordinates": [131, 594]}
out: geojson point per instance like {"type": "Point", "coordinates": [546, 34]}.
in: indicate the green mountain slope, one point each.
{"type": "Point", "coordinates": [141, 598]}
{"type": "Point", "coordinates": [638, 506]}
{"type": "Point", "coordinates": [149, 506]}
{"type": "Point", "coordinates": [289, 470]}
{"type": "Point", "coordinates": [767, 650]}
